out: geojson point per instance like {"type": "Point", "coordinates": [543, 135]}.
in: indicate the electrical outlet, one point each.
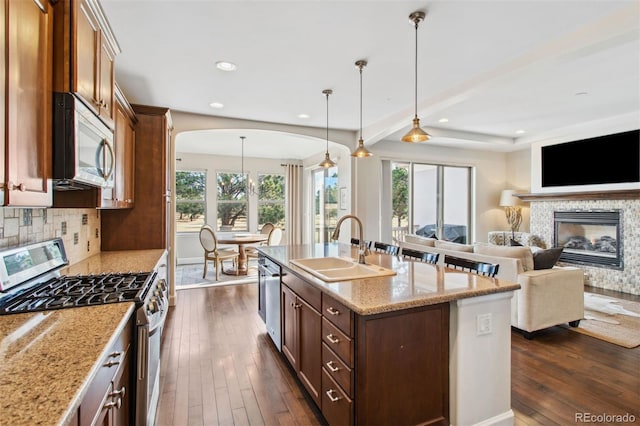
{"type": "Point", "coordinates": [483, 324]}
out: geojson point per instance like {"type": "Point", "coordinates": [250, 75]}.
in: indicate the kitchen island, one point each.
{"type": "Point", "coordinates": [426, 345]}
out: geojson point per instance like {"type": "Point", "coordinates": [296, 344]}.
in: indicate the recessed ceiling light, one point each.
{"type": "Point", "coordinates": [304, 116]}
{"type": "Point", "coordinates": [226, 66]}
{"type": "Point", "coordinates": [216, 105]}
{"type": "Point", "coordinates": [520, 131]}
{"type": "Point", "coordinates": [443, 120]}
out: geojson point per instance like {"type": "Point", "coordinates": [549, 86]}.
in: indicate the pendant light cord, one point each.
{"type": "Point", "coordinates": [242, 164]}
{"type": "Point", "coordinates": [416, 75]}
{"type": "Point", "coordinates": [361, 102]}
{"type": "Point", "coordinates": [327, 95]}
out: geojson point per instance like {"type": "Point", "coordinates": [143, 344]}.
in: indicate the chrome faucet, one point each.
{"type": "Point", "coordinates": [363, 250]}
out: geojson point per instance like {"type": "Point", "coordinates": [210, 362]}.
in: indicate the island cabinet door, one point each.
{"type": "Point", "coordinates": [402, 367]}
{"type": "Point", "coordinates": [310, 358]}
{"type": "Point", "coordinates": [289, 327]}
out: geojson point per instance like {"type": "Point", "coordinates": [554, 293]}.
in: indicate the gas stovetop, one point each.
{"type": "Point", "coordinates": [81, 290]}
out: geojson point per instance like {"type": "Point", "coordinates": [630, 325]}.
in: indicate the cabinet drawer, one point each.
{"type": "Point", "coordinates": [338, 314]}
{"type": "Point", "coordinates": [306, 291]}
{"type": "Point", "coordinates": [339, 343]}
{"type": "Point", "coordinates": [337, 369]}
{"type": "Point", "coordinates": [337, 407]}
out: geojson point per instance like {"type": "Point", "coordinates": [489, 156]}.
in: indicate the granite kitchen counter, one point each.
{"type": "Point", "coordinates": [116, 261]}
{"type": "Point", "coordinates": [415, 283]}
{"type": "Point", "coordinates": [48, 359]}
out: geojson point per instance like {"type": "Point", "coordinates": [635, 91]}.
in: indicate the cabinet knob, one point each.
{"type": "Point", "coordinates": [333, 311]}
{"type": "Point", "coordinates": [120, 393]}
{"type": "Point", "coordinates": [331, 367]}
{"type": "Point", "coordinates": [117, 404]}
{"type": "Point", "coordinates": [12, 186]}
{"type": "Point", "coordinates": [332, 398]}
{"type": "Point", "coordinates": [333, 339]}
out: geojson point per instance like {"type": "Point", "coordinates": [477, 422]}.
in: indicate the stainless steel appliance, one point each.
{"type": "Point", "coordinates": [269, 274]}
{"type": "Point", "coordinates": [82, 145]}
{"type": "Point", "coordinates": [30, 281]}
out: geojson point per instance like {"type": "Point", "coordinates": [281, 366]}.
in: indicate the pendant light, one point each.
{"type": "Point", "coordinates": [416, 134]}
{"type": "Point", "coordinates": [361, 151]}
{"type": "Point", "coordinates": [327, 162]}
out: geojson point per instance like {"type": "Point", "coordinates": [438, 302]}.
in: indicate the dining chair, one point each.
{"type": "Point", "coordinates": [476, 267]}
{"type": "Point", "coordinates": [422, 256]}
{"type": "Point", "coordinates": [209, 243]}
{"type": "Point", "coordinates": [267, 229]}
{"type": "Point", "coordinates": [386, 248]}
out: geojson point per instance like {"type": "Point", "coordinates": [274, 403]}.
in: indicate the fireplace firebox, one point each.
{"type": "Point", "coordinates": [590, 237]}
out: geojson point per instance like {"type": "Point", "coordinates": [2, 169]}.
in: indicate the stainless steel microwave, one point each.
{"type": "Point", "coordinates": [82, 145]}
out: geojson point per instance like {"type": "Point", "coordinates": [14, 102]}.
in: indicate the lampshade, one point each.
{"type": "Point", "coordinates": [361, 151]}
{"type": "Point", "coordinates": [416, 134]}
{"type": "Point", "coordinates": [507, 199]}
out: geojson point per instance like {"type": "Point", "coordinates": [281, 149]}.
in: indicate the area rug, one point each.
{"type": "Point", "coordinates": [190, 276]}
{"type": "Point", "coordinates": [613, 320]}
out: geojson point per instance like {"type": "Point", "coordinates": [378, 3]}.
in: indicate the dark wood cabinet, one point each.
{"type": "Point", "coordinates": [388, 368]}
{"type": "Point", "coordinates": [25, 120]}
{"type": "Point", "coordinates": [84, 61]}
{"type": "Point", "coordinates": [121, 196]}
{"type": "Point", "coordinates": [108, 397]}
{"type": "Point", "coordinates": [301, 326]}
{"type": "Point", "coordinates": [145, 225]}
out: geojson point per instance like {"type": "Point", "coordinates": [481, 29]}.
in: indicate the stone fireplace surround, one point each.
{"type": "Point", "coordinates": [626, 280]}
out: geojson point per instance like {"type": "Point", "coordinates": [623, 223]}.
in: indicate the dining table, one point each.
{"type": "Point", "coordinates": [241, 239]}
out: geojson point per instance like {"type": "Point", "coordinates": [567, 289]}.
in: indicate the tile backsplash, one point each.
{"type": "Point", "coordinates": [78, 228]}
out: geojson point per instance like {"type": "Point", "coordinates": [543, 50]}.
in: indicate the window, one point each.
{"type": "Point", "coordinates": [325, 203]}
{"type": "Point", "coordinates": [191, 187]}
{"type": "Point", "coordinates": [430, 200]}
{"type": "Point", "coordinates": [232, 202]}
{"type": "Point", "coordinates": [271, 200]}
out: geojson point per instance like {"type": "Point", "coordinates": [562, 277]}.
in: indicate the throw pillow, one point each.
{"type": "Point", "coordinates": [514, 243]}
{"type": "Point", "coordinates": [546, 259]}
{"type": "Point", "coordinates": [522, 253]}
{"type": "Point", "coordinates": [448, 245]}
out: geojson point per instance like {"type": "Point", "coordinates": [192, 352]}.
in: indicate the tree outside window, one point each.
{"type": "Point", "coordinates": [271, 200]}
{"type": "Point", "coordinates": [232, 202]}
{"type": "Point", "coordinates": [191, 189]}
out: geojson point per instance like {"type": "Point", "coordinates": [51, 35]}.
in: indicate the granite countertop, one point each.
{"type": "Point", "coordinates": [415, 283]}
{"type": "Point", "coordinates": [47, 360]}
{"type": "Point", "coordinates": [116, 261]}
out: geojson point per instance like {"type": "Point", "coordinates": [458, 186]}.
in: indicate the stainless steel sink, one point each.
{"type": "Point", "coordinates": [340, 268]}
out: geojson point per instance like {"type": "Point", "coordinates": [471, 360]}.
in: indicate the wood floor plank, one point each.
{"type": "Point", "coordinates": [219, 367]}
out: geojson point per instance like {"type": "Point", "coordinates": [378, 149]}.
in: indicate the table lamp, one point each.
{"type": "Point", "coordinates": [512, 210]}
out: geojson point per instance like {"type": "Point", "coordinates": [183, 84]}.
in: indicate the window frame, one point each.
{"type": "Point", "coordinates": [179, 201]}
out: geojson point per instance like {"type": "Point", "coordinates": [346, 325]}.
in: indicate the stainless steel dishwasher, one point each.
{"type": "Point", "coordinates": [269, 276]}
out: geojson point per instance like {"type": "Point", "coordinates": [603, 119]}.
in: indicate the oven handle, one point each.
{"type": "Point", "coordinates": [143, 356]}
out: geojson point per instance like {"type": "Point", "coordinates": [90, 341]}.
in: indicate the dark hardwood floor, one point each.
{"type": "Point", "coordinates": [219, 368]}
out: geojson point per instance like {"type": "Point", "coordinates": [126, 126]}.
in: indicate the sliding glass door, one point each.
{"type": "Point", "coordinates": [325, 203]}
{"type": "Point", "coordinates": [430, 200]}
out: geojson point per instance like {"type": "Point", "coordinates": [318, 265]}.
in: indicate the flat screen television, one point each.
{"type": "Point", "coordinates": [610, 159]}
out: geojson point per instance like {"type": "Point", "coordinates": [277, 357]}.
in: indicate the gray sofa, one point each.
{"type": "Point", "coordinates": [547, 297]}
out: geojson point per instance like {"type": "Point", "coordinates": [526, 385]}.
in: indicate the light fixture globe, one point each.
{"type": "Point", "coordinates": [327, 162]}
{"type": "Point", "coordinates": [361, 151]}
{"type": "Point", "coordinates": [416, 134]}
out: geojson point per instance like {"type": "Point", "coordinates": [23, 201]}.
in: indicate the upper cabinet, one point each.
{"type": "Point", "coordinates": [84, 61]}
{"type": "Point", "coordinates": [25, 118]}
{"type": "Point", "coordinates": [121, 195]}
